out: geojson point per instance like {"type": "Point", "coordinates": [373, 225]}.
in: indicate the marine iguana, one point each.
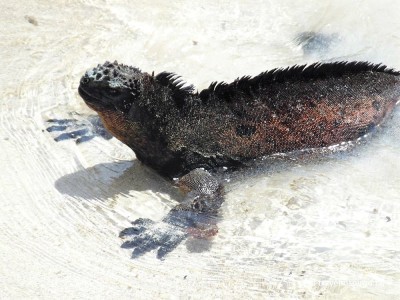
{"type": "Point", "coordinates": [182, 133]}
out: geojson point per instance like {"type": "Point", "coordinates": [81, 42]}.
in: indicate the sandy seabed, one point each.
{"type": "Point", "coordinates": [326, 229]}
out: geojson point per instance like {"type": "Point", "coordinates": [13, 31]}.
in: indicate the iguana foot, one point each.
{"type": "Point", "coordinates": [78, 130]}
{"type": "Point", "coordinates": [146, 235]}
{"type": "Point", "coordinates": [195, 217]}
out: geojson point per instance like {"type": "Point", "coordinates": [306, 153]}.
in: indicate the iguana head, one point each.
{"type": "Point", "coordinates": [118, 94]}
{"type": "Point", "coordinates": [111, 86]}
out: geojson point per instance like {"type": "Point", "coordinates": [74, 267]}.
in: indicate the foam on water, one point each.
{"type": "Point", "coordinates": [298, 228]}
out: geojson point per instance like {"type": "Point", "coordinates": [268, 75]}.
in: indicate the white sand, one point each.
{"type": "Point", "coordinates": [329, 228]}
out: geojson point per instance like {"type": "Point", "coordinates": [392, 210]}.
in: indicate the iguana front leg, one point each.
{"type": "Point", "coordinates": [196, 216]}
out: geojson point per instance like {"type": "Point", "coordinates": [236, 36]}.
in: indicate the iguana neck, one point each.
{"type": "Point", "coordinates": [148, 144]}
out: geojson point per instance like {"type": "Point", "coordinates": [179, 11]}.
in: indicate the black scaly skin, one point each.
{"type": "Point", "coordinates": [176, 131]}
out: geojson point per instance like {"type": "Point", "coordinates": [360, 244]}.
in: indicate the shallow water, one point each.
{"type": "Point", "coordinates": [325, 227]}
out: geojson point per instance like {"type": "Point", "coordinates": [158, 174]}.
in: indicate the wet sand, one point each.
{"type": "Point", "coordinates": [326, 228]}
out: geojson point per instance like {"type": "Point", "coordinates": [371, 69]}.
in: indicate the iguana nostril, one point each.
{"type": "Point", "coordinates": [85, 80]}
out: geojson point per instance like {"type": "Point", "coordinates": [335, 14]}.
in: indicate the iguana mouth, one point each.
{"type": "Point", "coordinates": [92, 101]}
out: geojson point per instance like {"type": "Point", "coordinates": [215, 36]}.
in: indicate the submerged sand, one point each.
{"type": "Point", "coordinates": [325, 228]}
